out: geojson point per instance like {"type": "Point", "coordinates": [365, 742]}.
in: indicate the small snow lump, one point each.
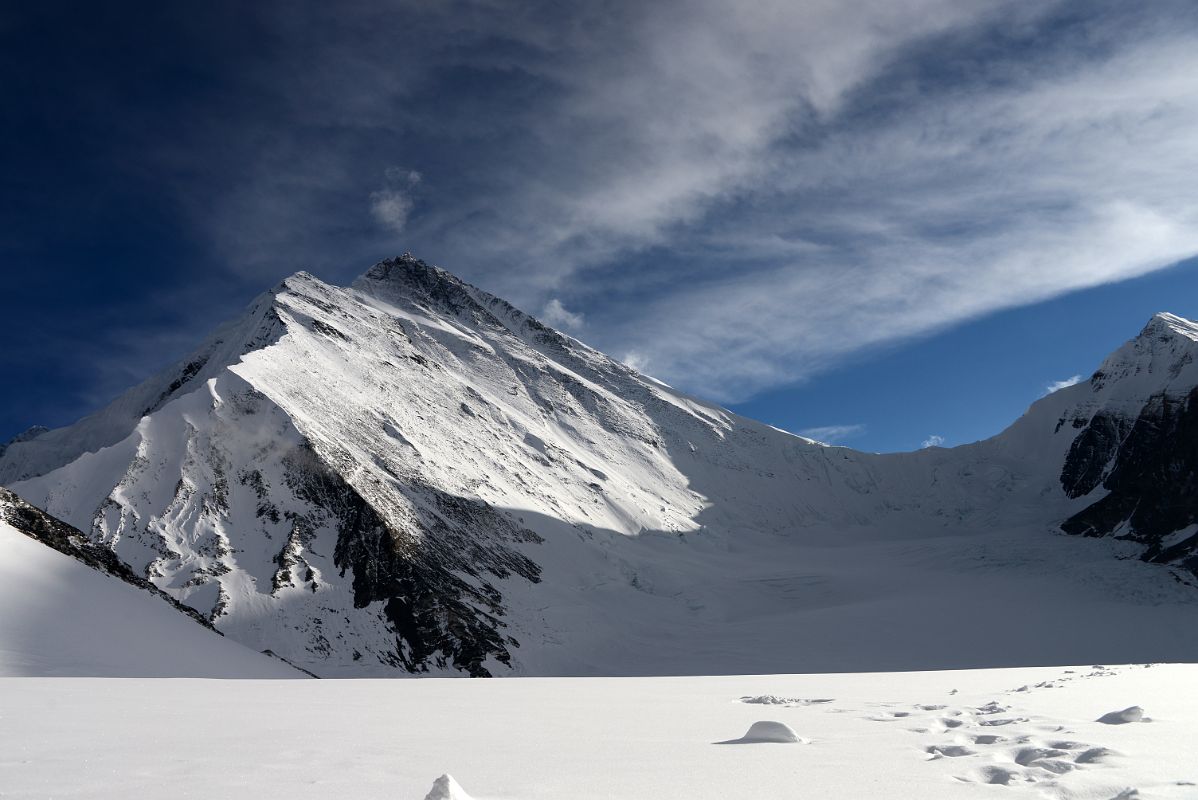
{"type": "Point", "coordinates": [1132, 714]}
{"type": "Point", "coordinates": [768, 731]}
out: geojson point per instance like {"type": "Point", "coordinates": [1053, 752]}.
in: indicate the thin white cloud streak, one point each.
{"type": "Point", "coordinates": [935, 440]}
{"type": "Point", "coordinates": [1056, 386]}
{"type": "Point", "coordinates": [832, 434]}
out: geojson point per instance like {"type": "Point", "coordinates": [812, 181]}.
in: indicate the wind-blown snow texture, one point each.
{"type": "Point", "coordinates": [410, 475]}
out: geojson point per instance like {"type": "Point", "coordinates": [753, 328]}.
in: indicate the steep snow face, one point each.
{"type": "Point", "coordinates": [71, 608]}
{"type": "Point", "coordinates": [411, 475]}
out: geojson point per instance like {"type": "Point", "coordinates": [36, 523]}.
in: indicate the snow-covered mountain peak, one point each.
{"type": "Point", "coordinates": [297, 281]}
{"type": "Point", "coordinates": [409, 474]}
{"type": "Point", "coordinates": [409, 282]}
{"type": "Point", "coordinates": [1164, 323]}
{"type": "Point", "coordinates": [1161, 358]}
{"type": "Point", "coordinates": [406, 278]}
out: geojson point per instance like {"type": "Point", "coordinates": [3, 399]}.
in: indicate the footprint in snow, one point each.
{"type": "Point", "coordinates": [1026, 754]}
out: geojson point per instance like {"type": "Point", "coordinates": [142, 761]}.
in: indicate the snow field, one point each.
{"type": "Point", "coordinates": [993, 734]}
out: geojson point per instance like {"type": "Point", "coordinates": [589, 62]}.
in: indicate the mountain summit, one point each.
{"type": "Point", "coordinates": [409, 475]}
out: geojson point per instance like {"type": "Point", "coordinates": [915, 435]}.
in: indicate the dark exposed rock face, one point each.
{"type": "Point", "coordinates": [1149, 467]}
{"type": "Point", "coordinates": [1092, 453]}
{"type": "Point", "coordinates": [439, 617]}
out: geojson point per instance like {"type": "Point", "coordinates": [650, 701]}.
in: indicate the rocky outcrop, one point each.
{"type": "Point", "coordinates": [431, 577]}
{"type": "Point", "coordinates": [1148, 466]}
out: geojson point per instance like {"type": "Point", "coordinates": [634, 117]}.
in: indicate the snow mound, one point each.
{"type": "Point", "coordinates": [768, 731]}
{"type": "Point", "coordinates": [446, 788]}
{"type": "Point", "coordinates": [1132, 714]}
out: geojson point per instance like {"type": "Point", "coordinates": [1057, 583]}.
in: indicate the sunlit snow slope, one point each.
{"type": "Point", "coordinates": [410, 475]}
{"type": "Point", "coordinates": [66, 610]}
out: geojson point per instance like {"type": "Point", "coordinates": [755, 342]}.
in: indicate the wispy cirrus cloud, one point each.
{"type": "Point", "coordinates": [740, 201]}
{"type": "Point", "coordinates": [833, 434]}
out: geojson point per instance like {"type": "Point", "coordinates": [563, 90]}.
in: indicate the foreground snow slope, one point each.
{"type": "Point", "coordinates": [409, 475]}
{"type": "Point", "coordinates": [61, 617]}
{"type": "Point", "coordinates": [925, 736]}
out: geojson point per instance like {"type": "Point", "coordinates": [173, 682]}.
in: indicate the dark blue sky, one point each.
{"type": "Point", "coordinates": [899, 219]}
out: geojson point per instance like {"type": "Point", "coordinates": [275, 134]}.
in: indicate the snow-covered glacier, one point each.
{"type": "Point", "coordinates": [409, 475]}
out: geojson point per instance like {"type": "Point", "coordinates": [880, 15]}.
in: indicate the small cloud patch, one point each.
{"type": "Point", "coordinates": [392, 206]}
{"type": "Point", "coordinates": [935, 440]}
{"type": "Point", "coordinates": [637, 361]}
{"type": "Point", "coordinates": [1056, 386]}
{"type": "Point", "coordinates": [558, 316]}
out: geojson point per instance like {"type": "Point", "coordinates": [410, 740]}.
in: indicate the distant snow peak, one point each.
{"type": "Point", "coordinates": [26, 435]}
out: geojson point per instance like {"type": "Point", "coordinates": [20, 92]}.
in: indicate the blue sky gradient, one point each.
{"type": "Point", "coordinates": [970, 382]}
{"type": "Point", "coordinates": [899, 219]}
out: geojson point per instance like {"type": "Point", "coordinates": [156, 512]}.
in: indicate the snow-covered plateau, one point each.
{"type": "Point", "coordinates": [409, 475]}
{"type": "Point", "coordinates": [921, 735]}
